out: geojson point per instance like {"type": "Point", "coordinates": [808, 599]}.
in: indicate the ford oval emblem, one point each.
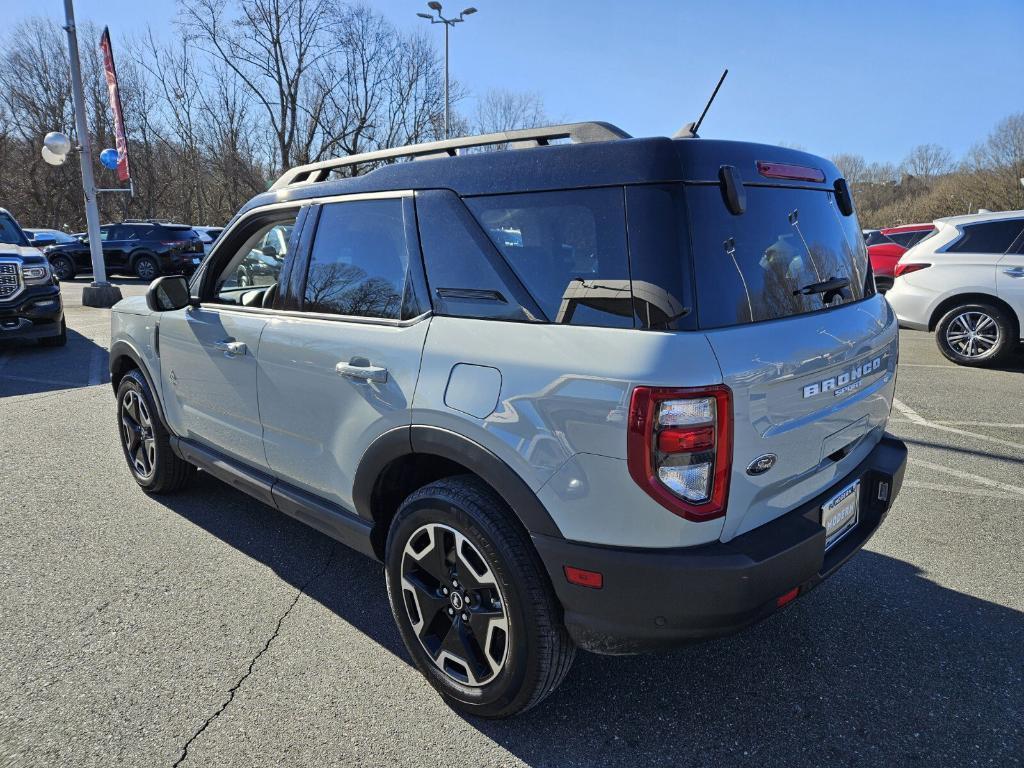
{"type": "Point", "coordinates": [761, 464]}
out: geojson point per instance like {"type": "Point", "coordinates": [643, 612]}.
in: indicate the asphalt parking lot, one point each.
{"type": "Point", "coordinates": [206, 629]}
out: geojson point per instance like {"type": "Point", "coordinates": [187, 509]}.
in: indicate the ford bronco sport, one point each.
{"type": "Point", "coordinates": [588, 392]}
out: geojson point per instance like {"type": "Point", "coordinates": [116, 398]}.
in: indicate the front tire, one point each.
{"type": "Point", "coordinates": [145, 440]}
{"type": "Point", "coordinates": [976, 334]}
{"type": "Point", "coordinates": [63, 268]}
{"type": "Point", "coordinates": [472, 600]}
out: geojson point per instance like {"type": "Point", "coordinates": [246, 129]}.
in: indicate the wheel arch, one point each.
{"type": "Point", "coordinates": [406, 458]}
{"type": "Point", "coordinates": [124, 358]}
{"type": "Point", "coordinates": [972, 298]}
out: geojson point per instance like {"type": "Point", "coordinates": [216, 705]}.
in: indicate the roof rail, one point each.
{"type": "Point", "coordinates": [577, 133]}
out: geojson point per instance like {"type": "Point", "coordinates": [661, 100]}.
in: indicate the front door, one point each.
{"type": "Point", "coordinates": [1010, 278]}
{"type": "Point", "coordinates": [342, 370]}
{"type": "Point", "coordinates": [209, 354]}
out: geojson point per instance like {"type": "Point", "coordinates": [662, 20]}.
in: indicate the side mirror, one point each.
{"type": "Point", "coordinates": [269, 250]}
{"type": "Point", "coordinates": [168, 293]}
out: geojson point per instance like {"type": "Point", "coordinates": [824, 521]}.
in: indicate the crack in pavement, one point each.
{"type": "Point", "coordinates": [252, 663]}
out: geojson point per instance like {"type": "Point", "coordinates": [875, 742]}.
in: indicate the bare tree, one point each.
{"type": "Point", "coordinates": [926, 161]}
{"type": "Point", "coordinates": [504, 110]}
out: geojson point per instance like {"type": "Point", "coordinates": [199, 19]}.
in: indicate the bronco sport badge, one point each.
{"type": "Point", "coordinates": [847, 381]}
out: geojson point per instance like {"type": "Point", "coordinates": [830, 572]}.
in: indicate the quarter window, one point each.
{"type": "Point", "coordinates": [359, 263]}
{"type": "Point", "coordinates": [569, 250]}
{"type": "Point", "coordinates": [988, 237]}
{"type": "Point", "coordinates": [251, 276]}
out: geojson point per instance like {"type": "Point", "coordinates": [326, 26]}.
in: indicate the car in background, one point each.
{"type": "Point", "coordinates": [208, 235]}
{"type": "Point", "coordinates": [30, 302]}
{"type": "Point", "coordinates": [146, 249]}
{"type": "Point", "coordinates": [885, 246]}
{"type": "Point", "coordinates": [966, 283]}
{"type": "Point", "coordinates": [42, 238]}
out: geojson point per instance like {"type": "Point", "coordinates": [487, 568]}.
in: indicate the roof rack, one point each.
{"type": "Point", "coordinates": [577, 133]}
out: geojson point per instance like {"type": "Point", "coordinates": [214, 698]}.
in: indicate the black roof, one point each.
{"type": "Point", "coordinates": [564, 166]}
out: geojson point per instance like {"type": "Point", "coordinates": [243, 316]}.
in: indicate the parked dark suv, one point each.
{"type": "Point", "coordinates": [146, 249]}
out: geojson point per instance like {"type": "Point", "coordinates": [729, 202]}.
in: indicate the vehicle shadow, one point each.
{"type": "Point", "coordinates": [879, 665]}
{"type": "Point", "coordinates": [28, 368]}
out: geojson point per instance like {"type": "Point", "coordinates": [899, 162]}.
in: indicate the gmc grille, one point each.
{"type": "Point", "coordinates": [8, 280]}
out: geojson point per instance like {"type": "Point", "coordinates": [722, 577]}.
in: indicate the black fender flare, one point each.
{"type": "Point", "coordinates": [122, 349]}
{"type": "Point", "coordinates": [436, 441]}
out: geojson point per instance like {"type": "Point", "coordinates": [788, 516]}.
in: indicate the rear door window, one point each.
{"type": "Point", "coordinates": [767, 262]}
{"type": "Point", "coordinates": [569, 250]}
{"type": "Point", "coordinates": [988, 237]}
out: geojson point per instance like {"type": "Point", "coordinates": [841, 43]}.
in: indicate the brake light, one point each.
{"type": "Point", "coordinates": [788, 171]}
{"type": "Point", "coordinates": [679, 448]}
{"type": "Point", "coordinates": [906, 269]}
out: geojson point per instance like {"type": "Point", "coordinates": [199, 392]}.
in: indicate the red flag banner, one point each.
{"type": "Point", "coordinates": [120, 138]}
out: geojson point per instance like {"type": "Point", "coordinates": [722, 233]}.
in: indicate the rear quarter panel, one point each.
{"type": "Point", "coordinates": [560, 416]}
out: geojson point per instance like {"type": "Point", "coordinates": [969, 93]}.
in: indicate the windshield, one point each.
{"type": "Point", "coordinates": [10, 232]}
{"type": "Point", "coordinates": [791, 252]}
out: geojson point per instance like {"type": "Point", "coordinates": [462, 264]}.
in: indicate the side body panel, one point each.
{"type": "Point", "coordinates": [560, 418]}
{"type": "Point", "coordinates": [317, 422]}
{"type": "Point", "coordinates": [209, 394]}
{"type": "Point", "coordinates": [1010, 284]}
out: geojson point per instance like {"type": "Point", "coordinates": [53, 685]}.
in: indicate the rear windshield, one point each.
{"type": "Point", "coordinates": [773, 260]}
{"type": "Point", "coordinates": [176, 233]}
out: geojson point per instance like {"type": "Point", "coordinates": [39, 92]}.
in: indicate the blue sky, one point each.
{"type": "Point", "coordinates": [873, 78]}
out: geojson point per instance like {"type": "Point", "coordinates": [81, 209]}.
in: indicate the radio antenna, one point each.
{"type": "Point", "coordinates": [689, 131]}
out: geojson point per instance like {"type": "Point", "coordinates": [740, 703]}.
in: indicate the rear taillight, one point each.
{"type": "Point", "coordinates": [679, 448]}
{"type": "Point", "coordinates": [906, 269]}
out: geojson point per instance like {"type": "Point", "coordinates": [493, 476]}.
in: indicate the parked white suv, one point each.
{"type": "Point", "coordinates": [966, 283]}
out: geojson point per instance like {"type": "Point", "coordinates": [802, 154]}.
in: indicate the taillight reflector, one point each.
{"type": "Point", "coordinates": [680, 453]}
{"type": "Point", "coordinates": [906, 269]}
{"type": "Point", "coordinates": [583, 578]}
{"type": "Point", "coordinates": [789, 597]}
{"type": "Point", "coordinates": [788, 171]}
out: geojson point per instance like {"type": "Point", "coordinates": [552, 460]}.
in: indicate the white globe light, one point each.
{"type": "Point", "coordinates": [52, 157]}
{"type": "Point", "coordinates": [57, 143]}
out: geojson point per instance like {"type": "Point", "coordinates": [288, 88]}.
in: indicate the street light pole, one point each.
{"type": "Point", "coordinates": [448, 24]}
{"type": "Point", "coordinates": [102, 293]}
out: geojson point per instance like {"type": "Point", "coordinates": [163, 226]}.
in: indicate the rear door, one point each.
{"type": "Point", "coordinates": [786, 298]}
{"type": "Point", "coordinates": [341, 368]}
{"type": "Point", "coordinates": [1010, 276]}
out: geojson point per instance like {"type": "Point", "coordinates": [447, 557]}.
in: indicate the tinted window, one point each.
{"type": "Point", "coordinates": [167, 233]}
{"type": "Point", "coordinates": [988, 237]}
{"type": "Point", "coordinates": [905, 239]}
{"type": "Point", "coordinates": [360, 261]}
{"type": "Point", "coordinates": [466, 276]}
{"type": "Point", "coordinates": [568, 249]}
{"type": "Point", "coordinates": [755, 266]}
{"type": "Point", "coordinates": [10, 232]}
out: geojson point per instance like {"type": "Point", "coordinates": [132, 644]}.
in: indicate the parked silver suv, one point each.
{"type": "Point", "coordinates": [591, 391]}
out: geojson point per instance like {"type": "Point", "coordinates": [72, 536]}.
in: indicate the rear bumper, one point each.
{"type": "Point", "coordinates": [35, 315]}
{"type": "Point", "coordinates": [659, 598]}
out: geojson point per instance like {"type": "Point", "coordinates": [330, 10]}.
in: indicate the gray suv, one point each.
{"type": "Point", "coordinates": [588, 392]}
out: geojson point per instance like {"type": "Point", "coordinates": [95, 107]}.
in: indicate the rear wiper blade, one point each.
{"type": "Point", "coordinates": [832, 285]}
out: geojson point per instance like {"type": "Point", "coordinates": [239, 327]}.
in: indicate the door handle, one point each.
{"type": "Point", "coordinates": [359, 368]}
{"type": "Point", "coordinates": [1014, 271]}
{"type": "Point", "coordinates": [231, 348]}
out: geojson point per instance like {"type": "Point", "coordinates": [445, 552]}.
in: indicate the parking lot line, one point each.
{"type": "Point", "coordinates": [917, 418]}
{"type": "Point", "coordinates": [974, 477]}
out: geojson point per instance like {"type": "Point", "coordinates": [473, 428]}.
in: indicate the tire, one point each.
{"type": "Point", "coordinates": [883, 284]}
{"type": "Point", "coordinates": [519, 647]}
{"type": "Point", "coordinates": [59, 340]}
{"type": "Point", "coordinates": [146, 268]}
{"type": "Point", "coordinates": [976, 334]}
{"type": "Point", "coordinates": [63, 268]}
{"type": "Point", "coordinates": [146, 441]}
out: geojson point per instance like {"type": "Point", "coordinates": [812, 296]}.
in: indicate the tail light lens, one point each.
{"type": "Point", "coordinates": [679, 448]}
{"type": "Point", "coordinates": [789, 171]}
{"type": "Point", "coordinates": [906, 269]}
